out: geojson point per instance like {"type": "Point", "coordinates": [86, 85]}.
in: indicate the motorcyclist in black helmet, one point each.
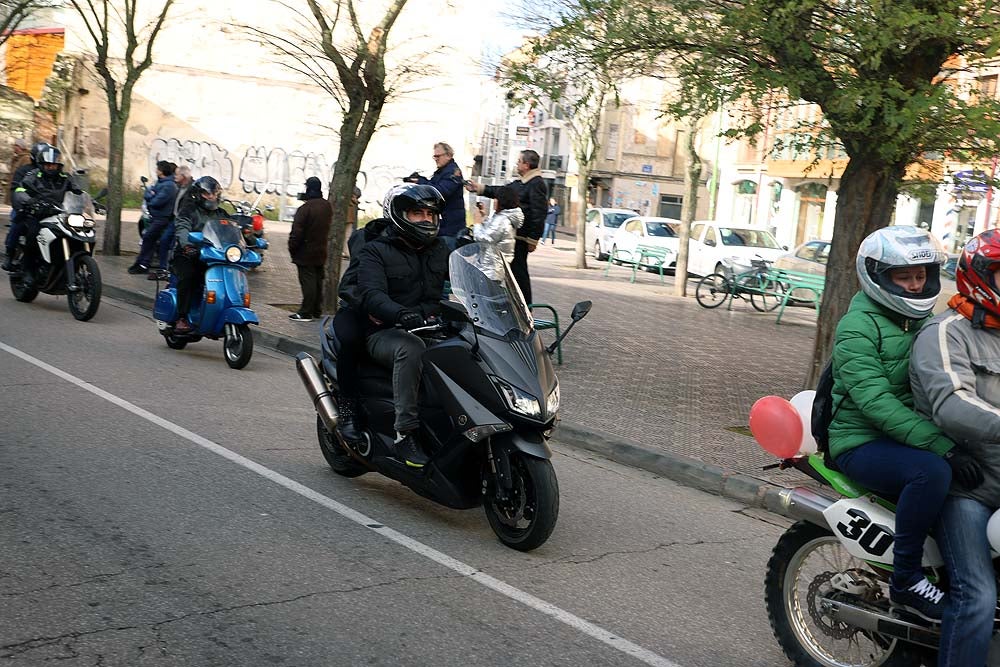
{"type": "Point", "coordinates": [40, 189]}
{"type": "Point", "coordinates": [17, 227]}
{"type": "Point", "coordinates": [200, 205]}
{"type": "Point", "coordinates": [401, 278]}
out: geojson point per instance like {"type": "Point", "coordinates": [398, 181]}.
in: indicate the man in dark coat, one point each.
{"type": "Point", "coordinates": [533, 194]}
{"type": "Point", "coordinates": [447, 180]}
{"type": "Point", "coordinates": [307, 246]}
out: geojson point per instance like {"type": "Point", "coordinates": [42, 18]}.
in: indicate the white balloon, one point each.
{"type": "Point", "coordinates": [993, 531]}
{"type": "Point", "coordinates": [803, 403]}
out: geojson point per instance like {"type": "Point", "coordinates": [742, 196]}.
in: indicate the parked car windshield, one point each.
{"type": "Point", "coordinates": [495, 306]}
{"type": "Point", "coordinates": [661, 229]}
{"type": "Point", "coordinates": [755, 238]}
{"type": "Point", "coordinates": [615, 220]}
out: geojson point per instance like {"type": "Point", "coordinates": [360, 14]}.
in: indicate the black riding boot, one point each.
{"type": "Point", "coordinates": [347, 423]}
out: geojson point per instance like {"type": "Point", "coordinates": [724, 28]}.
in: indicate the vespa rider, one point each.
{"type": "Point", "coordinates": [48, 184]}
{"type": "Point", "coordinates": [401, 277]}
{"type": "Point", "coordinates": [201, 205]}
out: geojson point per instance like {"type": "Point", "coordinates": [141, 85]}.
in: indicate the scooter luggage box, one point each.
{"type": "Point", "coordinates": [165, 308]}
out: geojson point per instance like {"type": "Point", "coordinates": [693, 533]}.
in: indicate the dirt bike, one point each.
{"type": "Point", "coordinates": [827, 582]}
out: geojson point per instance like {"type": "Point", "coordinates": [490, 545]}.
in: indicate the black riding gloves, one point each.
{"type": "Point", "coordinates": [964, 469]}
{"type": "Point", "coordinates": [409, 319]}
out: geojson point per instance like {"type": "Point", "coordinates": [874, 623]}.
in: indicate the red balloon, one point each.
{"type": "Point", "coordinates": [776, 425]}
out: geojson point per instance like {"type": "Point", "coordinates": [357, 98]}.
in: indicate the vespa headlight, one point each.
{"type": "Point", "coordinates": [76, 221]}
{"type": "Point", "coordinates": [552, 402]}
{"type": "Point", "coordinates": [234, 254]}
{"type": "Point", "coordinates": [518, 400]}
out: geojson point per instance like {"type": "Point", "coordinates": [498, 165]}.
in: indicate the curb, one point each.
{"type": "Point", "coordinates": [684, 470]}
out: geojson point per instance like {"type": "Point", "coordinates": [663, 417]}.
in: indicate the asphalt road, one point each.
{"type": "Point", "coordinates": [158, 508]}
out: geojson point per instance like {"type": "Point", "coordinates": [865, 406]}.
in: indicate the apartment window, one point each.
{"type": "Point", "coordinates": [670, 206]}
{"type": "Point", "coordinates": [611, 150]}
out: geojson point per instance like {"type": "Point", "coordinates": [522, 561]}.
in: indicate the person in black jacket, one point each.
{"type": "Point", "coordinates": [446, 179]}
{"type": "Point", "coordinates": [307, 247]}
{"type": "Point", "coordinates": [533, 194]}
{"type": "Point", "coordinates": [401, 278]}
{"type": "Point", "coordinates": [16, 226]}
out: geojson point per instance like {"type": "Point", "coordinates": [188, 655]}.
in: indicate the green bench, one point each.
{"type": "Point", "coordinates": [547, 323]}
{"type": "Point", "coordinates": [792, 281]}
{"type": "Point", "coordinates": [640, 257]}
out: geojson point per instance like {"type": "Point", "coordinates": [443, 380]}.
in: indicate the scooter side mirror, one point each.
{"type": "Point", "coordinates": [144, 180]}
{"type": "Point", "coordinates": [452, 311]}
{"type": "Point", "coordinates": [195, 237]}
{"type": "Point", "coordinates": [580, 310]}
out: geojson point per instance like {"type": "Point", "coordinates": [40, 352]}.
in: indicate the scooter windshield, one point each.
{"type": "Point", "coordinates": [486, 288]}
{"type": "Point", "coordinates": [223, 233]}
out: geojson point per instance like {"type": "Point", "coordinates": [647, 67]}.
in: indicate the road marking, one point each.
{"type": "Point", "coordinates": [575, 622]}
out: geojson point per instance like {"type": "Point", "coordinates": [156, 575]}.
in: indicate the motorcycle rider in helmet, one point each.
{"type": "Point", "coordinates": [876, 437]}
{"type": "Point", "coordinates": [955, 374]}
{"type": "Point", "coordinates": [401, 277]}
{"type": "Point", "coordinates": [200, 205]}
{"type": "Point", "coordinates": [45, 185]}
{"type": "Point", "coordinates": [16, 226]}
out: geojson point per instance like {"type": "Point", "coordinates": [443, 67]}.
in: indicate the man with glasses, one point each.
{"type": "Point", "coordinates": [446, 179]}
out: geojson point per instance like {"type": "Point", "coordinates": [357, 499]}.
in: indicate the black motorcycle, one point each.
{"type": "Point", "coordinates": [65, 262]}
{"type": "Point", "coordinates": [489, 400]}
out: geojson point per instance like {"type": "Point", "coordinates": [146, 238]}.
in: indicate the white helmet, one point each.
{"type": "Point", "coordinates": [896, 247]}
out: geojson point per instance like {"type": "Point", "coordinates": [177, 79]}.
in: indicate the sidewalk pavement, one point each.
{"type": "Point", "coordinates": [649, 380]}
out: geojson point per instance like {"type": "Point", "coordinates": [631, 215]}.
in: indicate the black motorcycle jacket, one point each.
{"type": "Point", "coordinates": [393, 276]}
{"type": "Point", "coordinates": [38, 186]}
{"type": "Point", "coordinates": [192, 218]}
{"type": "Point", "coordinates": [348, 289]}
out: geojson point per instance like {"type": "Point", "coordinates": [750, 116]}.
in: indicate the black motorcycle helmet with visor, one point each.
{"type": "Point", "coordinates": [413, 197]}
{"type": "Point", "coordinates": [49, 160]}
{"type": "Point", "coordinates": [206, 185]}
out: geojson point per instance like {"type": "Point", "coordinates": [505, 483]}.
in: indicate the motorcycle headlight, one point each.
{"type": "Point", "coordinates": [234, 254]}
{"type": "Point", "coordinates": [552, 402]}
{"type": "Point", "coordinates": [76, 221]}
{"type": "Point", "coordinates": [518, 400]}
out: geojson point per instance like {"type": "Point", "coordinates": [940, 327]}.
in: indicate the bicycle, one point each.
{"type": "Point", "coordinates": [765, 294]}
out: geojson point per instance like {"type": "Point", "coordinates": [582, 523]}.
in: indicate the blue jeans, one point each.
{"type": "Point", "coordinates": [967, 627]}
{"type": "Point", "coordinates": [166, 244]}
{"type": "Point", "coordinates": [15, 231]}
{"type": "Point", "coordinates": [550, 232]}
{"type": "Point", "coordinates": [919, 479]}
{"type": "Point", "coordinates": [151, 240]}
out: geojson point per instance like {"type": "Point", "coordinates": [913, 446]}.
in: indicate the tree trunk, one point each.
{"type": "Point", "coordinates": [692, 178]}
{"type": "Point", "coordinates": [116, 154]}
{"type": "Point", "coordinates": [865, 202]}
{"type": "Point", "coordinates": [583, 174]}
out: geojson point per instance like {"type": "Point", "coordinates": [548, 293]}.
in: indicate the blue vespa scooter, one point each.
{"type": "Point", "coordinates": [224, 309]}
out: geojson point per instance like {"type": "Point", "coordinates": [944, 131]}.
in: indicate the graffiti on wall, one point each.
{"type": "Point", "coordinates": [204, 158]}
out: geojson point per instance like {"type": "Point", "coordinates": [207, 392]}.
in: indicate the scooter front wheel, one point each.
{"type": "Point", "coordinates": [238, 345]}
{"type": "Point", "coordinates": [526, 518]}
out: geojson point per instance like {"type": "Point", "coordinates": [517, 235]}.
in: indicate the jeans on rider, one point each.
{"type": "Point", "coordinates": [967, 626]}
{"type": "Point", "coordinates": [919, 479]}
{"type": "Point", "coordinates": [403, 353]}
{"type": "Point", "coordinates": [189, 272]}
{"type": "Point", "coordinates": [10, 243]}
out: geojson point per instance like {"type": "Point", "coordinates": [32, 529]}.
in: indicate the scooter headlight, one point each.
{"type": "Point", "coordinates": [234, 254]}
{"type": "Point", "coordinates": [518, 400]}
{"type": "Point", "coordinates": [552, 402]}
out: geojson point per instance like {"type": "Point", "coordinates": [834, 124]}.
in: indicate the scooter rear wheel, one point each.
{"type": "Point", "coordinates": [339, 460]}
{"type": "Point", "coordinates": [526, 519]}
{"type": "Point", "coordinates": [17, 287]}
{"type": "Point", "coordinates": [175, 343]}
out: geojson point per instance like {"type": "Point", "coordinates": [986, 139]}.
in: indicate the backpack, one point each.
{"type": "Point", "coordinates": [822, 410]}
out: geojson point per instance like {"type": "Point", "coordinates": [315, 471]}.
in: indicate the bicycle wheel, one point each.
{"type": "Point", "coordinates": [712, 290]}
{"type": "Point", "coordinates": [765, 294]}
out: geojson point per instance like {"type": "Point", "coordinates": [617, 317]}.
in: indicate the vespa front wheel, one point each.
{"type": "Point", "coordinates": [526, 518]}
{"type": "Point", "coordinates": [238, 345]}
{"type": "Point", "coordinates": [84, 301]}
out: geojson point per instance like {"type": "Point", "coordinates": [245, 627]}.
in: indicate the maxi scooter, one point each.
{"type": "Point", "coordinates": [489, 399]}
{"type": "Point", "coordinates": [223, 310]}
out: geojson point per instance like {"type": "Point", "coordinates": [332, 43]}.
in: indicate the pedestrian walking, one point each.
{"type": "Point", "coordinates": [551, 221]}
{"type": "Point", "coordinates": [307, 245]}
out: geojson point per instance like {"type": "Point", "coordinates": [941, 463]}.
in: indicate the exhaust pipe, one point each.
{"type": "Point", "coordinates": [874, 621]}
{"type": "Point", "coordinates": [801, 503]}
{"type": "Point", "coordinates": [318, 390]}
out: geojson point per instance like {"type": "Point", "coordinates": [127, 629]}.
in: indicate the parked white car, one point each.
{"type": "Point", "coordinates": [648, 231]}
{"type": "Point", "coordinates": [602, 223]}
{"type": "Point", "coordinates": [711, 242]}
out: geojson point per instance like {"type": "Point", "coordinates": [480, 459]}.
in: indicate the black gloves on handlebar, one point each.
{"type": "Point", "coordinates": [964, 469]}
{"type": "Point", "coordinates": [409, 319]}
{"type": "Point", "coordinates": [189, 251]}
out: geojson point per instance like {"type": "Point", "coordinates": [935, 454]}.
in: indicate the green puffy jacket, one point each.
{"type": "Point", "coordinates": [871, 385]}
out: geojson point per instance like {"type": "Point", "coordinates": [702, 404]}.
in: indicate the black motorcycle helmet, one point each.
{"type": "Point", "coordinates": [206, 185]}
{"type": "Point", "coordinates": [36, 150]}
{"type": "Point", "coordinates": [412, 197]}
{"type": "Point", "coordinates": [49, 160]}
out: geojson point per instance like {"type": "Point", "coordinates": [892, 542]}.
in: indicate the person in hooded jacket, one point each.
{"type": "Point", "coordinates": [202, 204]}
{"type": "Point", "coordinates": [876, 436]}
{"type": "Point", "coordinates": [40, 187]}
{"type": "Point", "coordinates": [401, 277]}
{"type": "Point", "coordinates": [160, 200]}
{"type": "Point", "coordinates": [955, 374]}
{"type": "Point", "coordinates": [307, 246]}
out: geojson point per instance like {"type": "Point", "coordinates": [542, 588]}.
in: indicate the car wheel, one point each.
{"type": "Point", "coordinates": [598, 255]}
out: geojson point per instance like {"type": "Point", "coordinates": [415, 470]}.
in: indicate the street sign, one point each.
{"type": "Point", "coordinates": [647, 169]}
